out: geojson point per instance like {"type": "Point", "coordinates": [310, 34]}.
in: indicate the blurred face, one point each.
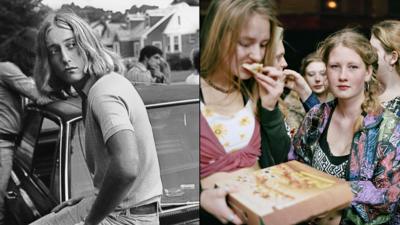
{"type": "Point", "coordinates": [383, 58]}
{"type": "Point", "coordinates": [280, 61]}
{"type": "Point", "coordinates": [316, 77]}
{"type": "Point", "coordinates": [346, 73]}
{"type": "Point", "coordinates": [154, 60]}
{"type": "Point", "coordinates": [251, 47]}
{"type": "Point", "coordinates": [65, 59]}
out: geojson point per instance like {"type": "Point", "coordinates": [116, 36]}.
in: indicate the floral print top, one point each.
{"type": "Point", "coordinates": [374, 163]}
{"type": "Point", "coordinates": [233, 132]}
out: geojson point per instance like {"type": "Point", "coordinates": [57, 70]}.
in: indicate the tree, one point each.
{"type": "Point", "coordinates": [189, 2]}
{"type": "Point", "coordinates": [18, 14]}
{"type": "Point", "coordinates": [117, 17]}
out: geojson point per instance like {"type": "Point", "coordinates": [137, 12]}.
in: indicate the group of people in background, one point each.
{"type": "Point", "coordinates": [340, 117]}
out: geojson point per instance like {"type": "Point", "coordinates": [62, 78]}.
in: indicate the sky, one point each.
{"type": "Point", "coordinates": [113, 5]}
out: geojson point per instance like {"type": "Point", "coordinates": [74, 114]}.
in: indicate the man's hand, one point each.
{"type": "Point", "coordinates": [43, 100]}
{"type": "Point", "coordinates": [68, 203]}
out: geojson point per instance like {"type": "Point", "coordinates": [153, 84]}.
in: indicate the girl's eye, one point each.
{"type": "Point", "coordinates": [334, 66]}
{"type": "Point", "coordinates": [244, 44]}
{"type": "Point", "coordinates": [310, 74]}
{"type": "Point", "coordinates": [353, 67]}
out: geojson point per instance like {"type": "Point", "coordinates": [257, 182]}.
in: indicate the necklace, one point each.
{"type": "Point", "coordinates": [219, 88]}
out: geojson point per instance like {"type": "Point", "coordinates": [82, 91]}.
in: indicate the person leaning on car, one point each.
{"type": "Point", "coordinates": [120, 147]}
{"type": "Point", "coordinates": [151, 67]}
{"type": "Point", "coordinates": [16, 61]}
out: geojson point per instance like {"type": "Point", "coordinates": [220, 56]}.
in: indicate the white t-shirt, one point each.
{"type": "Point", "coordinates": [113, 104]}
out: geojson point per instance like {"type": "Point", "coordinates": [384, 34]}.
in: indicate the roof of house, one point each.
{"type": "Point", "coordinates": [180, 18]}
{"type": "Point", "coordinates": [184, 21]}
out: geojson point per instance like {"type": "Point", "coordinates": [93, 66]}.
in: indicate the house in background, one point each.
{"type": "Point", "coordinates": [174, 29]}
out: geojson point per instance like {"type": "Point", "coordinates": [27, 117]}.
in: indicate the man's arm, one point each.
{"type": "Point", "coordinates": [120, 175]}
{"type": "Point", "coordinates": [24, 85]}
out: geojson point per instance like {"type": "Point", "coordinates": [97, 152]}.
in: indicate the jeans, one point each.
{"type": "Point", "coordinates": [6, 160]}
{"type": "Point", "coordinates": [77, 213]}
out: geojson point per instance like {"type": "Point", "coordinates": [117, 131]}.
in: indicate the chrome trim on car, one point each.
{"type": "Point", "coordinates": [180, 204]}
{"type": "Point", "coordinates": [15, 179]}
{"type": "Point", "coordinates": [29, 202]}
{"type": "Point", "coordinates": [55, 118]}
{"type": "Point", "coordinates": [172, 103]}
{"type": "Point", "coordinates": [25, 197]}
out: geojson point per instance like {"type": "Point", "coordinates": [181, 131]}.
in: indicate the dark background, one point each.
{"type": "Point", "coordinates": [307, 22]}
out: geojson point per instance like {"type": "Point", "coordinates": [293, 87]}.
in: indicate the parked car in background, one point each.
{"type": "Point", "coordinates": [49, 165]}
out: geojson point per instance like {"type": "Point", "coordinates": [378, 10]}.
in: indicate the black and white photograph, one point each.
{"type": "Point", "coordinates": [99, 112]}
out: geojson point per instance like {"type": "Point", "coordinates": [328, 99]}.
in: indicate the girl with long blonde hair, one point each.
{"type": "Point", "coordinates": [241, 126]}
{"type": "Point", "coordinates": [353, 137]}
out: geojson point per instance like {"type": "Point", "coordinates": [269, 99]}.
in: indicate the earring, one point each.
{"type": "Point", "coordinates": [366, 86]}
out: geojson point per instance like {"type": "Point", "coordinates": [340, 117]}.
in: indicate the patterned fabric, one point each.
{"type": "Point", "coordinates": [321, 162]}
{"type": "Point", "coordinates": [293, 110]}
{"type": "Point", "coordinates": [233, 132]}
{"type": "Point", "coordinates": [214, 158]}
{"type": "Point", "coordinates": [373, 165]}
{"type": "Point", "coordinates": [393, 105]}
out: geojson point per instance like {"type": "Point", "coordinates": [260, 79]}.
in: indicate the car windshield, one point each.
{"type": "Point", "coordinates": [175, 129]}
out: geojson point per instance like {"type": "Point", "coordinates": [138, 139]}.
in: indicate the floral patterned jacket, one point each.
{"type": "Point", "coordinates": [374, 166]}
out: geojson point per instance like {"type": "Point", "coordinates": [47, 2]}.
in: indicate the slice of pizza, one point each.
{"type": "Point", "coordinates": [254, 67]}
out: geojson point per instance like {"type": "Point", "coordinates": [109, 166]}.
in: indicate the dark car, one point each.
{"type": "Point", "coordinates": [49, 165]}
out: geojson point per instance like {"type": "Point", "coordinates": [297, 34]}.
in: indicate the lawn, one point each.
{"type": "Point", "coordinates": [180, 76]}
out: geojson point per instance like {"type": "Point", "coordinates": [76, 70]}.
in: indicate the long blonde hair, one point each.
{"type": "Point", "coordinates": [350, 38]}
{"type": "Point", "coordinates": [220, 33]}
{"type": "Point", "coordinates": [97, 59]}
{"type": "Point", "coordinates": [388, 33]}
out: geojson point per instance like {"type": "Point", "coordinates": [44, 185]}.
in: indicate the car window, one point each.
{"type": "Point", "coordinates": [175, 130]}
{"type": "Point", "coordinates": [43, 161]}
{"type": "Point", "coordinates": [38, 145]}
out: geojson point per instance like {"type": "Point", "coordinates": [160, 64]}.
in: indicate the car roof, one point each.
{"type": "Point", "coordinates": [153, 94]}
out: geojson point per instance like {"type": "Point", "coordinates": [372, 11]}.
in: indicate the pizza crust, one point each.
{"type": "Point", "coordinates": [255, 67]}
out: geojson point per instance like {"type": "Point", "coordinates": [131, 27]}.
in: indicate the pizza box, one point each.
{"type": "Point", "coordinates": [287, 193]}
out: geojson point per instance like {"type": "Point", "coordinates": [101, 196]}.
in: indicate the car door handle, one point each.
{"type": "Point", "coordinates": [11, 195]}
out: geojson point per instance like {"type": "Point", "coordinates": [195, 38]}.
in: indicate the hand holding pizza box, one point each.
{"type": "Point", "coordinates": [287, 193]}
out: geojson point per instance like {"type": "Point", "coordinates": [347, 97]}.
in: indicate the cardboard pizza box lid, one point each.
{"type": "Point", "coordinates": [277, 200]}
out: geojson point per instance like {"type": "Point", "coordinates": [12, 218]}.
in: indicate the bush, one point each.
{"type": "Point", "coordinates": [174, 60]}
{"type": "Point", "coordinates": [186, 64]}
{"type": "Point", "coordinates": [177, 63]}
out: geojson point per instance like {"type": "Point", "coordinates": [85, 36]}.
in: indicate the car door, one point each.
{"type": "Point", "coordinates": [175, 128]}
{"type": "Point", "coordinates": [28, 195]}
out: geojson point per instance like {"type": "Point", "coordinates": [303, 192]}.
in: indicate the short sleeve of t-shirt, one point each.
{"type": "Point", "coordinates": [111, 114]}
{"type": "Point", "coordinates": [110, 108]}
